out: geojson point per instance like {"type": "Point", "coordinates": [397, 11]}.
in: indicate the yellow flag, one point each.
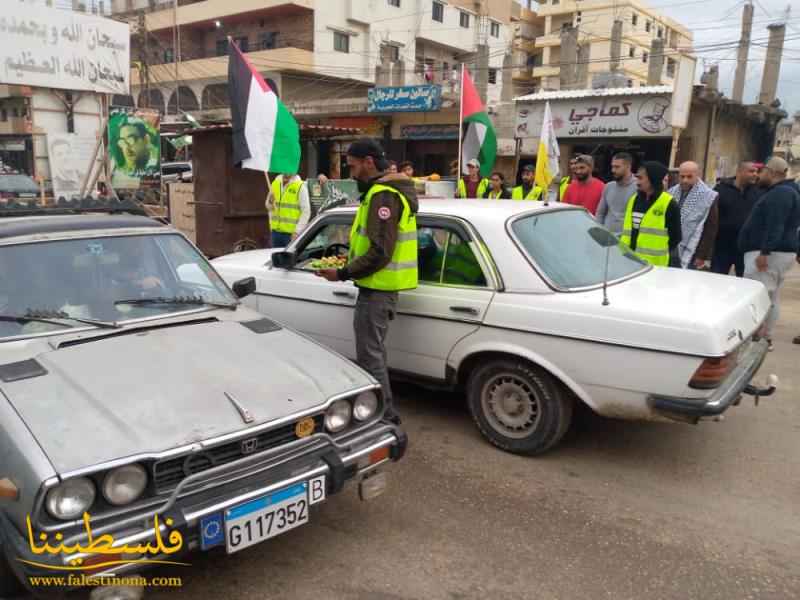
{"type": "Point", "coordinates": [547, 159]}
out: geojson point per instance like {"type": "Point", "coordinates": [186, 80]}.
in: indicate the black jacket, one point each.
{"type": "Point", "coordinates": [773, 223]}
{"type": "Point", "coordinates": [735, 206]}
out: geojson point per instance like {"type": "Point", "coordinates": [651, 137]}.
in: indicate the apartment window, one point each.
{"type": "Point", "coordinates": [671, 67]}
{"type": "Point", "coordinates": [390, 52]}
{"type": "Point", "coordinates": [243, 43]}
{"type": "Point", "coordinates": [3, 115]}
{"type": "Point", "coordinates": [578, 18]}
{"type": "Point", "coordinates": [634, 20]}
{"type": "Point", "coordinates": [445, 70]}
{"type": "Point", "coordinates": [494, 29]}
{"type": "Point", "coordinates": [463, 19]}
{"type": "Point", "coordinates": [268, 40]}
{"type": "Point", "coordinates": [648, 26]}
{"type": "Point", "coordinates": [169, 55]}
{"type": "Point", "coordinates": [341, 42]}
{"type": "Point", "coordinates": [437, 12]}
{"type": "Point", "coordinates": [556, 2]}
{"type": "Point", "coordinates": [644, 57]}
{"type": "Point", "coordinates": [630, 82]}
{"type": "Point", "coordinates": [15, 112]}
{"type": "Point", "coordinates": [395, 3]}
{"type": "Point", "coordinates": [632, 52]}
{"type": "Point", "coordinates": [222, 47]}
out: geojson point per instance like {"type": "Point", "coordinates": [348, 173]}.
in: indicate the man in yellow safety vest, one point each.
{"type": "Point", "coordinates": [528, 190]}
{"type": "Point", "coordinates": [473, 185]}
{"type": "Point", "coordinates": [652, 223]}
{"type": "Point", "coordinates": [289, 208]}
{"type": "Point", "coordinates": [382, 258]}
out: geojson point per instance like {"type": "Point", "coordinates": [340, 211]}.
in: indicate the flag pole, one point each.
{"type": "Point", "coordinates": [460, 121]}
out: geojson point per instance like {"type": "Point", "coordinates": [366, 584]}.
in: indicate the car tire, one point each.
{"type": "Point", "coordinates": [518, 407]}
{"type": "Point", "coordinates": [10, 586]}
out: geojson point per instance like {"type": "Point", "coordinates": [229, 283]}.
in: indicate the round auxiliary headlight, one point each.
{"type": "Point", "coordinates": [124, 484]}
{"type": "Point", "coordinates": [338, 416]}
{"type": "Point", "coordinates": [70, 499]}
{"type": "Point", "coordinates": [365, 406]}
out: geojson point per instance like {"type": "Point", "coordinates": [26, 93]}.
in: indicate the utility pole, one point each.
{"type": "Point", "coordinates": [144, 58]}
{"type": "Point", "coordinates": [772, 64]}
{"type": "Point", "coordinates": [569, 57]}
{"type": "Point", "coordinates": [744, 49]}
{"type": "Point", "coordinates": [656, 66]}
{"type": "Point", "coordinates": [616, 45]}
{"type": "Point", "coordinates": [176, 42]}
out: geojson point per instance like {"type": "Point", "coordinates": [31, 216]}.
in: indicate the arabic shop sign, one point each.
{"type": "Point", "coordinates": [48, 47]}
{"type": "Point", "coordinates": [429, 132]}
{"type": "Point", "coordinates": [408, 98]}
{"type": "Point", "coordinates": [599, 117]}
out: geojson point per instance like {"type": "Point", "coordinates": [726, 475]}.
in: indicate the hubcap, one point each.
{"type": "Point", "coordinates": [511, 405]}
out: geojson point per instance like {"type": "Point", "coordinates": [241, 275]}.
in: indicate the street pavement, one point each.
{"type": "Point", "coordinates": [619, 510]}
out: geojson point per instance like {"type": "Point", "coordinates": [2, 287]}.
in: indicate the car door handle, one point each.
{"type": "Point", "coordinates": [465, 309]}
{"type": "Point", "coordinates": [342, 294]}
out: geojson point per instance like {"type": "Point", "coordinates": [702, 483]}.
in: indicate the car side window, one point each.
{"type": "Point", "coordinates": [332, 239]}
{"type": "Point", "coordinates": [445, 257]}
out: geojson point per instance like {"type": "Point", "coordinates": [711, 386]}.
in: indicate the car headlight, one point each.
{"type": "Point", "coordinates": [71, 498]}
{"type": "Point", "coordinates": [338, 416]}
{"type": "Point", "coordinates": [365, 406]}
{"type": "Point", "coordinates": [125, 484]}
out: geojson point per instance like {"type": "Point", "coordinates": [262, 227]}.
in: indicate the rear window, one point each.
{"type": "Point", "coordinates": [559, 245]}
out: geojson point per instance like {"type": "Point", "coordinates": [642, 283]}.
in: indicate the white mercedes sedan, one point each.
{"type": "Point", "coordinates": [530, 308]}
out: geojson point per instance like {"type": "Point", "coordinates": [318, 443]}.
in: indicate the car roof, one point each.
{"type": "Point", "coordinates": [11, 227]}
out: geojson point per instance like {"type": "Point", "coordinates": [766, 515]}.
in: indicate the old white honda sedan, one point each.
{"type": "Point", "coordinates": [530, 308]}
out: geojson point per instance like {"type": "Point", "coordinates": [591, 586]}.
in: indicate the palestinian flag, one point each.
{"type": "Point", "coordinates": [265, 135]}
{"type": "Point", "coordinates": [479, 138]}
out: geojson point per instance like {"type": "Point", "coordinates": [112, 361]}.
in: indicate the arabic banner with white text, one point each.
{"type": "Point", "coordinates": [49, 47]}
{"type": "Point", "coordinates": [598, 117]}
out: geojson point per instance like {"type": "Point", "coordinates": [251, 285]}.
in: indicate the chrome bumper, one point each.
{"type": "Point", "coordinates": [728, 394]}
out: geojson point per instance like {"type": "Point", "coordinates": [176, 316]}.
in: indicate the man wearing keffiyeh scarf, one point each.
{"type": "Point", "coordinates": [699, 217]}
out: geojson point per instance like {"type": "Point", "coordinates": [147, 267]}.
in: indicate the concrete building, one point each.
{"type": "Point", "coordinates": [787, 143]}
{"type": "Point", "coordinates": [542, 54]}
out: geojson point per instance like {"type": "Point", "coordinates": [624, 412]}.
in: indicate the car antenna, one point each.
{"type": "Point", "coordinates": [605, 239]}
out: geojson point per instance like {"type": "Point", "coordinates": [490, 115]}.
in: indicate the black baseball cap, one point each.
{"type": "Point", "coordinates": [530, 168]}
{"type": "Point", "coordinates": [366, 147]}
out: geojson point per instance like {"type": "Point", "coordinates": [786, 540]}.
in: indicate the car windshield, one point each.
{"type": "Point", "coordinates": [561, 247]}
{"type": "Point", "coordinates": [111, 279]}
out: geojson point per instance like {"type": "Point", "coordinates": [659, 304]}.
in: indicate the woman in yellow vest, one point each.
{"type": "Point", "coordinates": [497, 189]}
{"type": "Point", "coordinates": [289, 208]}
{"type": "Point", "coordinates": [652, 224]}
{"type": "Point", "coordinates": [473, 185]}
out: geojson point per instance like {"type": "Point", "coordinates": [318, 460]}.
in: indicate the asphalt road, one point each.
{"type": "Point", "coordinates": [620, 510]}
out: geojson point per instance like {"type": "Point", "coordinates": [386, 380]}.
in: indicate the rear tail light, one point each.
{"type": "Point", "coordinates": [713, 371]}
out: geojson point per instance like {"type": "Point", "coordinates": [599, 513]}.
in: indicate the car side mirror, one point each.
{"type": "Point", "coordinates": [603, 237]}
{"type": "Point", "coordinates": [244, 287]}
{"type": "Point", "coordinates": [283, 260]}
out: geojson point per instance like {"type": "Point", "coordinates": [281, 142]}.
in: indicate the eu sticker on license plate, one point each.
{"type": "Point", "coordinates": [268, 516]}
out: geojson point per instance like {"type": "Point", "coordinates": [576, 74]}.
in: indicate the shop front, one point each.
{"type": "Point", "coordinates": [602, 123]}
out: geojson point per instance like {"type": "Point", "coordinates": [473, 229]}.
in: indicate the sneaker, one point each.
{"type": "Point", "coordinates": [771, 346]}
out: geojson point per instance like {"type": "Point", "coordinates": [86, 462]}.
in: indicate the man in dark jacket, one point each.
{"type": "Point", "coordinates": [385, 262]}
{"type": "Point", "coordinates": [737, 196]}
{"type": "Point", "coordinates": [769, 237]}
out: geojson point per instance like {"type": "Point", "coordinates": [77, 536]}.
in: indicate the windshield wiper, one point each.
{"type": "Point", "coordinates": [178, 300]}
{"type": "Point", "coordinates": [48, 316]}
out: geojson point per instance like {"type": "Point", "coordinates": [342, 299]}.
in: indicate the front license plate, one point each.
{"type": "Point", "coordinates": [266, 517]}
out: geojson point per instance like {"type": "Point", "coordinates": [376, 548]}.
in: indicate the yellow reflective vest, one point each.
{"type": "Point", "coordinates": [483, 185]}
{"type": "Point", "coordinates": [652, 243]}
{"type": "Point", "coordinates": [402, 271]}
{"type": "Point", "coordinates": [287, 206]}
{"type": "Point", "coordinates": [533, 194]}
{"type": "Point", "coordinates": [562, 188]}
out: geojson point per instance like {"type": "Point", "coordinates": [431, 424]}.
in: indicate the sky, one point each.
{"type": "Point", "coordinates": [717, 21]}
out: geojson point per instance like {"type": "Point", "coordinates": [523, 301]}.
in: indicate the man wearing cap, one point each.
{"type": "Point", "coordinates": [473, 185]}
{"type": "Point", "coordinates": [383, 255]}
{"type": "Point", "coordinates": [584, 190]}
{"type": "Point", "coordinates": [528, 190]}
{"type": "Point", "coordinates": [769, 236]}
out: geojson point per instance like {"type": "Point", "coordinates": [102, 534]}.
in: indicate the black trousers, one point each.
{"type": "Point", "coordinates": [727, 255]}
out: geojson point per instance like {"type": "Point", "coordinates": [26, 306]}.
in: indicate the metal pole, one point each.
{"type": "Point", "coordinates": [676, 134]}
{"type": "Point", "coordinates": [460, 119]}
{"type": "Point", "coordinates": [177, 55]}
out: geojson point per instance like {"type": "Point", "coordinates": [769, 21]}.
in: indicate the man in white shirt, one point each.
{"type": "Point", "coordinates": [289, 208]}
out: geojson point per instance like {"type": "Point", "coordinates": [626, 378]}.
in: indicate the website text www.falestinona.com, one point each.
{"type": "Point", "coordinates": [82, 579]}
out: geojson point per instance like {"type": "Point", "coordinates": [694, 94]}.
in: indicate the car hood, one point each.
{"type": "Point", "coordinates": [158, 389]}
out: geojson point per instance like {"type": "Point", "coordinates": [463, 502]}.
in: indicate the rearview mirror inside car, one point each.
{"type": "Point", "coordinates": [283, 260]}
{"type": "Point", "coordinates": [603, 237]}
{"type": "Point", "coordinates": [244, 287]}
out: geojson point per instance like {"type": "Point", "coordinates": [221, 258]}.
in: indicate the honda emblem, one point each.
{"type": "Point", "coordinates": [249, 446]}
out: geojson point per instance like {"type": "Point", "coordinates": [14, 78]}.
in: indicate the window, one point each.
{"type": "Point", "coordinates": [3, 115]}
{"type": "Point", "coordinates": [660, 32]}
{"type": "Point", "coordinates": [644, 57]}
{"type": "Point", "coordinates": [390, 53]}
{"type": "Point", "coordinates": [15, 111]}
{"type": "Point", "coordinates": [437, 12]}
{"type": "Point", "coordinates": [268, 40]}
{"type": "Point", "coordinates": [671, 66]}
{"type": "Point", "coordinates": [463, 19]}
{"type": "Point", "coordinates": [445, 70]}
{"type": "Point", "coordinates": [556, 2]}
{"type": "Point", "coordinates": [634, 20]}
{"type": "Point", "coordinates": [341, 42]}
{"type": "Point", "coordinates": [492, 75]}
{"type": "Point", "coordinates": [222, 47]}
{"type": "Point", "coordinates": [169, 55]}
{"type": "Point", "coordinates": [243, 43]}
{"type": "Point", "coordinates": [578, 16]}
{"type": "Point", "coordinates": [494, 29]}
{"type": "Point", "coordinates": [648, 26]}
{"type": "Point", "coordinates": [445, 257]}
{"type": "Point", "coordinates": [630, 82]}
{"type": "Point", "coordinates": [579, 264]}
{"type": "Point", "coordinates": [395, 3]}
{"type": "Point", "coordinates": [331, 239]}
{"type": "Point", "coordinates": [632, 52]}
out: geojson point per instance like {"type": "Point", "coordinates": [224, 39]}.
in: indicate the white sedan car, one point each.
{"type": "Point", "coordinates": [511, 307]}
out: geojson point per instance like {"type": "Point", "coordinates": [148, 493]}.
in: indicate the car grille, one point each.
{"type": "Point", "coordinates": [169, 473]}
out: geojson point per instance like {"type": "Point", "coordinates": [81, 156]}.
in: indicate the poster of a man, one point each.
{"type": "Point", "coordinates": [70, 157]}
{"type": "Point", "coordinates": [135, 147]}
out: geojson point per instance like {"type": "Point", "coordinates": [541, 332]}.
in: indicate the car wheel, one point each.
{"type": "Point", "coordinates": [518, 407]}
{"type": "Point", "coordinates": [10, 586]}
